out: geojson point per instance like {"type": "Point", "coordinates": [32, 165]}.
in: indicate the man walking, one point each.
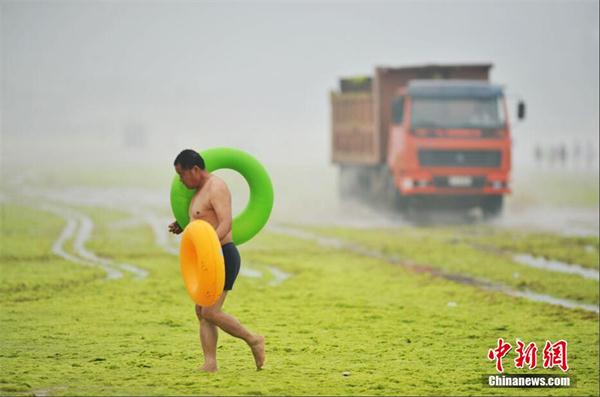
{"type": "Point", "coordinates": [212, 203]}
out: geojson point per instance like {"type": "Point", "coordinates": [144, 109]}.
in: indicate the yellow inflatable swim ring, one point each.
{"type": "Point", "coordinates": [202, 264]}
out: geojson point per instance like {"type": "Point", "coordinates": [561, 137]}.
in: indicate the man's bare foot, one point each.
{"type": "Point", "coordinates": [258, 351]}
{"type": "Point", "coordinates": [208, 367]}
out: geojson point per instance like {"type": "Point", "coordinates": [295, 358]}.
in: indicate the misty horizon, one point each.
{"type": "Point", "coordinates": [257, 75]}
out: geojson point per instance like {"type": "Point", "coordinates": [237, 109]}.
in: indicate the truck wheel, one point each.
{"type": "Point", "coordinates": [400, 202]}
{"type": "Point", "coordinates": [492, 206]}
{"type": "Point", "coordinates": [394, 198]}
{"type": "Point", "coordinates": [364, 181]}
{"type": "Point", "coordinates": [379, 184]}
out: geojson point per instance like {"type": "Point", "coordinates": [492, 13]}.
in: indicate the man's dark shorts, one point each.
{"type": "Point", "coordinates": [232, 264]}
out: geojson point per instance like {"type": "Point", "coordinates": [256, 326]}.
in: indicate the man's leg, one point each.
{"type": "Point", "coordinates": [232, 326]}
{"type": "Point", "coordinates": [208, 339]}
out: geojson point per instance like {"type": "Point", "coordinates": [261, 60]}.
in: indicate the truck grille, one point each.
{"type": "Point", "coordinates": [459, 158]}
{"type": "Point", "coordinates": [443, 181]}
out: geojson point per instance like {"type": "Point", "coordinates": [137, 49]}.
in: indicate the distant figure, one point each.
{"type": "Point", "coordinates": [539, 154]}
{"type": "Point", "coordinates": [562, 154]}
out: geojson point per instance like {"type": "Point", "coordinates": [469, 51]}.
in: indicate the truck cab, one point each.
{"type": "Point", "coordinates": [451, 137]}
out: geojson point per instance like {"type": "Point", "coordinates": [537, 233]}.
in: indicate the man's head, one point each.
{"type": "Point", "coordinates": [190, 167]}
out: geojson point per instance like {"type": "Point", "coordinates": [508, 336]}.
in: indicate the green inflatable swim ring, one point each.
{"type": "Point", "coordinates": [252, 219]}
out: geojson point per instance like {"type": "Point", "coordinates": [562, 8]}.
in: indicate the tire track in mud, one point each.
{"type": "Point", "coordinates": [148, 216]}
{"type": "Point", "coordinates": [65, 235]}
{"type": "Point", "coordinates": [540, 262]}
{"type": "Point", "coordinates": [418, 268]}
{"type": "Point", "coordinates": [80, 227]}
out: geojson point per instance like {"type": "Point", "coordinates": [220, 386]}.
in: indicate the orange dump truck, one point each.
{"type": "Point", "coordinates": [415, 136]}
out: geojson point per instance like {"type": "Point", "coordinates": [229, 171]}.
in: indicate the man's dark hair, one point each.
{"type": "Point", "coordinates": [188, 158]}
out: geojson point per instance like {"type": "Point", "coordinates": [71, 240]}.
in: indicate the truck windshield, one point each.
{"type": "Point", "coordinates": [458, 113]}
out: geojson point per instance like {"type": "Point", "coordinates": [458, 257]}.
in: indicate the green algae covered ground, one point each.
{"type": "Point", "coordinates": [487, 254]}
{"type": "Point", "coordinates": [342, 323]}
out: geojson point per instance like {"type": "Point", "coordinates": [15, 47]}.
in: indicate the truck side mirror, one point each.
{"type": "Point", "coordinates": [398, 110]}
{"type": "Point", "coordinates": [521, 110]}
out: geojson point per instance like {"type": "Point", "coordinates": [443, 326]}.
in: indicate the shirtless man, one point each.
{"type": "Point", "coordinates": [212, 203]}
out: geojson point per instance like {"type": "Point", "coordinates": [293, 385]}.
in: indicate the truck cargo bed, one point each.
{"type": "Point", "coordinates": [361, 109]}
{"type": "Point", "coordinates": [354, 139]}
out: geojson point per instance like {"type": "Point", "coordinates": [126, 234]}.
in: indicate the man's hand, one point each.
{"type": "Point", "coordinates": [175, 228]}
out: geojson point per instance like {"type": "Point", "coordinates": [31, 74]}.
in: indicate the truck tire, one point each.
{"type": "Point", "coordinates": [364, 181]}
{"type": "Point", "coordinates": [394, 198]}
{"type": "Point", "coordinates": [356, 181]}
{"type": "Point", "coordinates": [378, 180]}
{"type": "Point", "coordinates": [492, 206]}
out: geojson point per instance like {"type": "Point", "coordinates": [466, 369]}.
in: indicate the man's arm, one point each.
{"type": "Point", "coordinates": [220, 199]}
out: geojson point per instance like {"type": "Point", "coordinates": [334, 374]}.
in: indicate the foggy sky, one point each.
{"type": "Point", "coordinates": [256, 75]}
